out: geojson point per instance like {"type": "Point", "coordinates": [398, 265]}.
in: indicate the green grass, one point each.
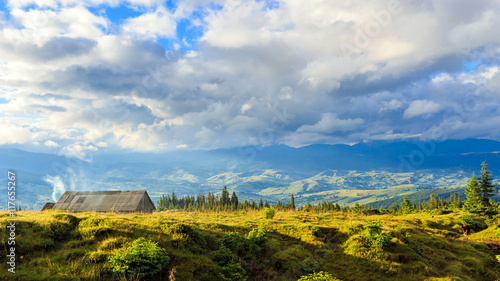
{"type": "Point", "coordinates": [54, 245]}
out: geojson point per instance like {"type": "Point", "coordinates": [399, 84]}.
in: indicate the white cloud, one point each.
{"type": "Point", "coordinates": [244, 108]}
{"type": "Point", "coordinates": [51, 143]}
{"type": "Point", "coordinates": [329, 123]}
{"type": "Point", "coordinates": [391, 105]}
{"type": "Point", "coordinates": [74, 78]}
{"type": "Point", "coordinates": [421, 107]}
{"type": "Point", "coordinates": [442, 77]}
{"type": "Point", "coordinates": [159, 24]}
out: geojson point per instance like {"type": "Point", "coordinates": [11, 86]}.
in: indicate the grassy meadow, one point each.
{"type": "Point", "coordinates": [242, 245]}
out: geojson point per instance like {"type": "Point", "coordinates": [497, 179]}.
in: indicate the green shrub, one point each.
{"type": "Point", "coordinates": [268, 213]}
{"type": "Point", "coordinates": [252, 245]}
{"type": "Point", "coordinates": [258, 235]}
{"type": "Point", "coordinates": [371, 244]}
{"type": "Point", "coordinates": [59, 231]}
{"type": "Point", "coordinates": [142, 259]}
{"type": "Point", "coordinates": [309, 265]}
{"type": "Point", "coordinates": [373, 227]}
{"type": "Point", "coordinates": [495, 220]}
{"type": "Point", "coordinates": [222, 256]}
{"type": "Point", "coordinates": [184, 235]}
{"type": "Point", "coordinates": [231, 267]}
{"type": "Point", "coordinates": [231, 241]}
{"type": "Point", "coordinates": [320, 276]}
{"type": "Point", "coordinates": [475, 224]}
{"type": "Point", "coordinates": [290, 258]}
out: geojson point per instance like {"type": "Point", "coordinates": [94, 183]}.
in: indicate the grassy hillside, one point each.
{"type": "Point", "coordinates": [54, 245]}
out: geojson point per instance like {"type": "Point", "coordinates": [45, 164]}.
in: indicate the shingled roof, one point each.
{"type": "Point", "coordinates": [105, 201]}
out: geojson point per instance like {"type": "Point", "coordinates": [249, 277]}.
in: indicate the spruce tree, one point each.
{"type": "Point", "coordinates": [406, 205]}
{"type": "Point", "coordinates": [175, 202]}
{"type": "Point", "coordinates": [234, 201]}
{"type": "Point", "coordinates": [266, 204]}
{"type": "Point", "coordinates": [433, 203]}
{"type": "Point", "coordinates": [474, 199]}
{"type": "Point", "coordinates": [224, 197]}
{"type": "Point", "coordinates": [486, 186]}
{"type": "Point", "coordinates": [292, 202]}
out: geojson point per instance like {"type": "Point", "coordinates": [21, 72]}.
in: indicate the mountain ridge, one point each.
{"type": "Point", "coordinates": [312, 172]}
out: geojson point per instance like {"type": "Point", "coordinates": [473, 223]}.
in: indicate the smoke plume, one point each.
{"type": "Point", "coordinates": [57, 185]}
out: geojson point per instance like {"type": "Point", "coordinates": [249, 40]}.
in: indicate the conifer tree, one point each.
{"type": "Point", "coordinates": [473, 193]}
{"type": "Point", "coordinates": [486, 186]}
{"type": "Point", "coordinates": [292, 202]}
{"type": "Point", "coordinates": [224, 197]}
{"type": "Point", "coordinates": [433, 203]}
{"type": "Point", "coordinates": [266, 204]}
{"type": "Point", "coordinates": [174, 200]}
{"type": "Point", "coordinates": [406, 205]}
{"type": "Point", "coordinates": [234, 201]}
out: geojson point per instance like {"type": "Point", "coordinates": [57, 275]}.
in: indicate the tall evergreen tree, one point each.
{"type": "Point", "coordinates": [433, 203]}
{"type": "Point", "coordinates": [225, 197]}
{"type": "Point", "coordinates": [456, 200]}
{"type": "Point", "coordinates": [486, 186]}
{"type": "Point", "coordinates": [406, 205]}
{"type": "Point", "coordinates": [174, 199]}
{"type": "Point", "coordinates": [473, 193]}
{"type": "Point", "coordinates": [234, 201]}
{"type": "Point", "coordinates": [292, 202]}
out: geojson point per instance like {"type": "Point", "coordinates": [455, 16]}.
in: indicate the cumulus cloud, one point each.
{"type": "Point", "coordinates": [235, 73]}
{"type": "Point", "coordinates": [152, 25]}
{"type": "Point", "coordinates": [421, 107]}
{"type": "Point", "coordinates": [51, 143]}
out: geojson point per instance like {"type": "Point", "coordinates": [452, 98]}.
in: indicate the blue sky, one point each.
{"type": "Point", "coordinates": [81, 77]}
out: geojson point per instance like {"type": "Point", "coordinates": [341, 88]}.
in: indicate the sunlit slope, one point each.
{"type": "Point", "coordinates": [55, 245]}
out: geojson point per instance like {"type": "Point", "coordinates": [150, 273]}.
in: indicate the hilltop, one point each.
{"type": "Point", "coordinates": [243, 245]}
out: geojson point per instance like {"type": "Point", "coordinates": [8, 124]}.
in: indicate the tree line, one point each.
{"type": "Point", "coordinates": [213, 202]}
{"type": "Point", "coordinates": [478, 192]}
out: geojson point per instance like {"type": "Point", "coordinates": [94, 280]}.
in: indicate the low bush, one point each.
{"type": "Point", "coordinates": [258, 235]}
{"type": "Point", "coordinates": [309, 265]}
{"type": "Point", "coordinates": [59, 231]}
{"type": "Point", "coordinates": [369, 245]}
{"type": "Point", "coordinates": [231, 241]}
{"type": "Point", "coordinates": [268, 213]}
{"type": "Point", "coordinates": [475, 224]}
{"type": "Point", "coordinates": [142, 259]}
{"type": "Point", "coordinates": [231, 267]}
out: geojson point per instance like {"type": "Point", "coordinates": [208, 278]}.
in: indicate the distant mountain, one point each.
{"type": "Point", "coordinates": [363, 173]}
